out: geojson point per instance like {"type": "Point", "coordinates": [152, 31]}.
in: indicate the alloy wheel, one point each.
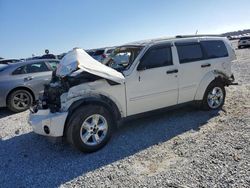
{"type": "Point", "coordinates": [94, 130]}
{"type": "Point", "coordinates": [21, 101]}
{"type": "Point", "coordinates": [215, 97]}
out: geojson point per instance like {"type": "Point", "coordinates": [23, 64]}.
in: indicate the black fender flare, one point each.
{"type": "Point", "coordinates": [100, 100]}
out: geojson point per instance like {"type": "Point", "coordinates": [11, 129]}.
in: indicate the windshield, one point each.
{"type": "Point", "coordinates": [122, 57]}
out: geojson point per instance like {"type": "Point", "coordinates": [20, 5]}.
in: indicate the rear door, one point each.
{"type": "Point", "coordinates": [192, 68]}
{"type": "Point", "coordinates": [154, 84]}
{"type": "Point", "coordinates": [217, 55]}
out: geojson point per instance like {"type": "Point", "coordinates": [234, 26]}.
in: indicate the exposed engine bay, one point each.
{"type": "Point", "coordinates": [52, 91]}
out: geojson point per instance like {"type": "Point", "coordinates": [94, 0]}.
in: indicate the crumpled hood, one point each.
{"type": "Point", "coordinates": [78, 58]}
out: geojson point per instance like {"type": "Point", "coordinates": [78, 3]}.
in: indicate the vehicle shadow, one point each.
{"type": "Point", "coordinates": [30, 160]}
{"type": "Point", "coordinates": [4, 112]}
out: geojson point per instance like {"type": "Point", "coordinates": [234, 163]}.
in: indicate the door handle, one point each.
{"type": "Point", "coordinates": [28, 78]}
{"type": "Point", "coordinates": [172, 71]}
{"type": "Point", "coordinates": [205, 65]}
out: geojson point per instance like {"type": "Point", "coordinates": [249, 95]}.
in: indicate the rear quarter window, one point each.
{"type": "Point", "coordinates": [214, 49]}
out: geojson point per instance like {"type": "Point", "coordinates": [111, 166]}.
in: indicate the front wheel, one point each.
{"type": "Point", "coordinates": [90, 128]}
{"type": "Point", "coordinates": [214, 96]}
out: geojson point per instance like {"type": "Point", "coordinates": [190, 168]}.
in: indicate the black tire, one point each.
{"type": "Point", "coordinates": [27, 101]}
{"type": "Point", "coordinates": [240, 47]}
{"type": "Point", "coordinates": [205, 102]}
{"type": "Point", "coordinates": [75, 122]}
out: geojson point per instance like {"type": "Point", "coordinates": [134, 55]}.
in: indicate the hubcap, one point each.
{"type": "Point", "coordinates": [94, 130]}
{"type": "Point", "coordinates": [215, 97]}
{"type": "Point", "coordinates": [21, 101]}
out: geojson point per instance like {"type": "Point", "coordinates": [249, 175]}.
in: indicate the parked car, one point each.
{"type": "Point", "coordinates": [91, 98]}
{"type": "Point", "coordinates": [244, 42]}
{"type": "Point", "coordinates": [21, 82]}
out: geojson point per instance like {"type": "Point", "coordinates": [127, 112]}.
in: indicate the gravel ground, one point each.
{"type": "Point", "coordinates": [180, 148]}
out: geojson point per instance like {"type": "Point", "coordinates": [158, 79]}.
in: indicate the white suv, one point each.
{"type": "Point", "coordinates": [86, 99]}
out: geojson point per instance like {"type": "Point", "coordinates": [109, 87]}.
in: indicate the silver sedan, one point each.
{"type": "Point", "coordinates": [21, 82]}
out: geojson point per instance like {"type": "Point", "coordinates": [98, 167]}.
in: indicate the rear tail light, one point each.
{"type": "Point", "coordinates": [104, 56]}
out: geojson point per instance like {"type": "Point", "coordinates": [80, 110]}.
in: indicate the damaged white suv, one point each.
{"type": "Point", "coordinates": [86, 99]}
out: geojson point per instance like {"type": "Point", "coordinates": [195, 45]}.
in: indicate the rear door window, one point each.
{"type": "Point", "coordinates": [36, 67]}
{"type": "Point", "coordinates": [214, 49]}
{"type": "Point", "coordinates": [189, 52]}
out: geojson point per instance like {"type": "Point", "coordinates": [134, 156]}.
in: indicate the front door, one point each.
{"type": "Point", "coordinates": [154, 84]}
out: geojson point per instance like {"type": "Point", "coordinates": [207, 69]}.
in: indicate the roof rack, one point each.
{"type": "Point", "coordinates": [189, 36]}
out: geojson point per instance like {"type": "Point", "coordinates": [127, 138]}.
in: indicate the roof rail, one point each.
{"type": "Point", "coordinates": [188, 36]}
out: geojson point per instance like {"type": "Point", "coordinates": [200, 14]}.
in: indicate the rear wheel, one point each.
{"type": "Point", "coordinates": [90, 128]}
{"type": "Point", "coordinates": [19, 100]}
{"type": "Point", "coordinates": [214, 96]}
